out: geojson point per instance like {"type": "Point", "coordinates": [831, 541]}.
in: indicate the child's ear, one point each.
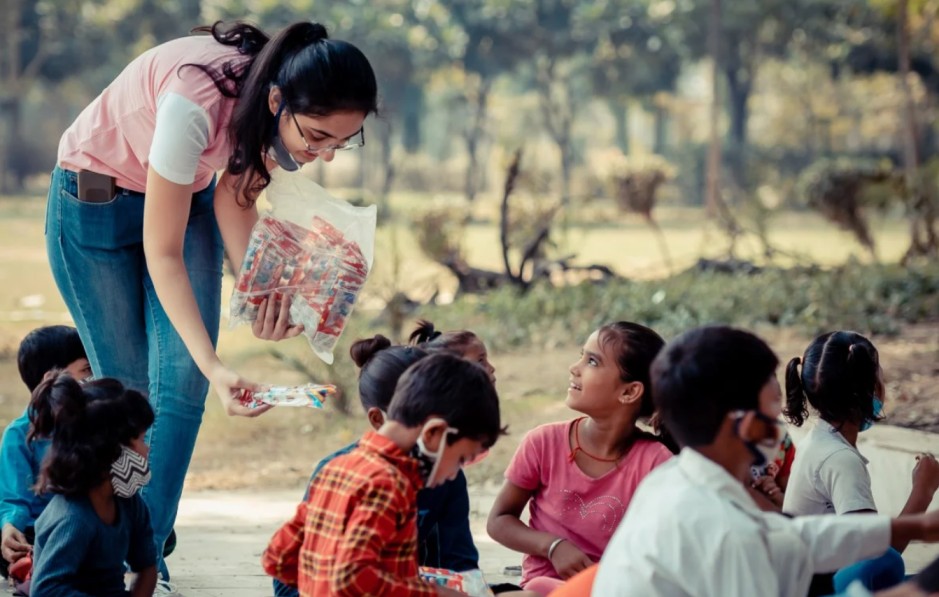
{"type": "Point", "coordinates": [746, 430]}
{"type": "Point", "coordinates": [433, 433]}
{"type": "Point", "coordinates": [274, 98]}
{"type": "Point", "coordinates": [632, 393]}
{"type": "Point", "coordinates": [375, 417]}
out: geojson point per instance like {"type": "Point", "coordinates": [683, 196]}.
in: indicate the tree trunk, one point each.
{"type": "Point", "coordinates": [620, 111]}
{"type": "Point", "coordinates": [413, 109]}
{"type": "Point", "coordinates": [714, 143]}
{"type": "Point", "coordinates": [738, 89]}
{"type": "Point", "coordinates": [923, 239]}
{"type": "Point", "coordinates": [660, 130]}
{"type": "Point", "coordinates": [474, 133]}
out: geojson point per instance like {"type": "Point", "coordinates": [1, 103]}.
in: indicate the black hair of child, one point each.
{"type": "Point", "coordinates": [90, 424]}
{"type": "Point", "coordinates": [427, 337]}
{"type": "Point", "coordinates": [47, 348]}
{"type": "Point", "coordinates": [458, 391]}
{"type": "Point", "coordinates": [635, 347]}
{"type": "Point", "coordinates": [381, 365]}
{"type": "Point", "coordinates": [706, 373]}
{"type": "Point", "coordinates": [839, 378]}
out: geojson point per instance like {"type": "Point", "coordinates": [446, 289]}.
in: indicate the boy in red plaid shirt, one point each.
{"type": "Point", "coordinates": [357, 532]}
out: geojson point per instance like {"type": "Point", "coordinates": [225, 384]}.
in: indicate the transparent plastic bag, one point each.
{"type": "Point", "coordinates": [310, 395]}
{"type": "Point", "coordinates": [470, 582]}
{"type": "Point", "coordinates": [313, 248]}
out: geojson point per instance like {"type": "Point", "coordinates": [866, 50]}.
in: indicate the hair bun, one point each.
{"type": "Point", "coordinates": [424, 332]}
{"type": "Point", "coordinates": [363, 351]}
{"type": "Point", "coordinates": [315, 32]}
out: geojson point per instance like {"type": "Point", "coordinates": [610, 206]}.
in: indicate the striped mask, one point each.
{"type": "Point", "coordinates": [129, 473]}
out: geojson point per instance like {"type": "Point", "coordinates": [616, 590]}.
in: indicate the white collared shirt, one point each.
{"type": "Point", "coordinates": [693, 531]}
{"type": "Point", "coordinates": [829, 475]}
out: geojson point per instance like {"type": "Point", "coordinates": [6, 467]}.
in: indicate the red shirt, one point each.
{"type": "Point", "coordinates": [357, 532]}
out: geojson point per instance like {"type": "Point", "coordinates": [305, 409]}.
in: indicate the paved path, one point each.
{"type": "Point", "coordinates": [222, 534]}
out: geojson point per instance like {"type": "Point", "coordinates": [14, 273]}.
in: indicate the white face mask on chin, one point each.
{"type": "Point", "coordinates": [429, 462]}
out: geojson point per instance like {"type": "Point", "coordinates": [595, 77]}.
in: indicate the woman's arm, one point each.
{"type": "Point", "coordinates": [505, 526]}
{"type": "Point", "coordinates": [166, 215]}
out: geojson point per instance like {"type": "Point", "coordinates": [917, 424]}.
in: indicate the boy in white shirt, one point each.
{"type": "Point", "coordinates": [692, 529]}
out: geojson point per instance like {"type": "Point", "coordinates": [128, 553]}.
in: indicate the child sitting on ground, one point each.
{"type": "Point", "coordinates": [842, 380]}
{"type": "Point", "coordinates": [444, 539]}
{"type": "Point", "coordinates": [580, 475]}
{"type": "Point", "coordinates": [21, 454]}
{"type": "Point", "coordinates": [96, 465]}
{"type": "Point", "coordinates": [356, 534]}
{"type": "Point", "coordinates": [463, 343]}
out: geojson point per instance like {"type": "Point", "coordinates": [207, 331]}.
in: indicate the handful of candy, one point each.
{"type": "Point", "coordinates": [470, 582]}
{"type": "Point", "coordinates": [311, 395]}
{"type": "Point", "coordinates": [316, 251]}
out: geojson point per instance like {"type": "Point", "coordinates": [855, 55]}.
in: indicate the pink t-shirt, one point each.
{"type": "Point", "coordinates": [114, 134]}
{"type": "Point", "coordinates": [568, 503]}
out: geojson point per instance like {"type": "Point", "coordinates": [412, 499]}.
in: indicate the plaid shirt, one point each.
{"type": "Point", "coordinates": [357, 532]}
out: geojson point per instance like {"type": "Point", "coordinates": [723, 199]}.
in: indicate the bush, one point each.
{"type": "Point", "coordinates": [869, 299]}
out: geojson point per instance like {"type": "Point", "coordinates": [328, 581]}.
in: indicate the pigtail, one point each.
{"type": "Point", "coordinates": [424, 333]}
{"type": "Point", "coordinates": [362, 351]}
{"type": "Point", "coordinates": [796, 409]}
{"type": "Point", "coordinates": [861, 368]}
{"type": "Point", "coordinates": [57, 396]}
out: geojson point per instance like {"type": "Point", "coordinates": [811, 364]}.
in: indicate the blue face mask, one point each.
{"type": "Point", "coordinates": [878, 412]}
{"type": "Point", "coordinates": [279, 151]}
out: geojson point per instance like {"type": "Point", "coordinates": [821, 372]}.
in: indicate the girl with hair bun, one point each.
{"type": "Point", "coordinates": [142, 278]}
{"type": "Point", "coordinates": [96, 466]}
{"type": "Point", "coordinates": [463, 343]}
{"type": "Point", "coordinates": [841, 379]}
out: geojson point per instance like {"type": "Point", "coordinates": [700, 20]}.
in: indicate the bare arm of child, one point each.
{"type": "Point", "coordinates": [506, 527]}
{"type": "Point", "coordinates": [282, 557]}
{"type": "Point", "coordinates": [145, 582]}
{"type": "Point", "coordinates": [925, 484]}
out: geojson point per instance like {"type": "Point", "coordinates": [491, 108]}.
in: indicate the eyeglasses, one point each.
{"type": "Point", "coordinates": [354, 142]}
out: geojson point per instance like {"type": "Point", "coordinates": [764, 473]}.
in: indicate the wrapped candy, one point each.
{"type": "Point", "coordinates": [470, 582]}
{"type": "Point", "coordinates": [315, 251]}
{"type": "Point", "coordinates": [310, 395]}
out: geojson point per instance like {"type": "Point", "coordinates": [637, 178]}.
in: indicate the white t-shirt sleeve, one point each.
{"type": "Point", "coordinates": [179, 139]}
{"type": "Point", "coordinates": [844, 477]}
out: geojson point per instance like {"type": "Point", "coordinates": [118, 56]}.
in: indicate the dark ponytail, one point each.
{"type": "Point", "coordinates": [433, 341]}
{"type": "Point", "coordinates": [381, 365]}
{"type": "Point", "coordinates": [55, 391]}
{"type": "Point", "coordinates": [316, 75]}
{"type": "Point", "coordinates": [90, 423]}
{"type": "Point", "coordinates": [796, 411]}
{"type": "Point", "coordinates": [423, 333]}
{"type": "Point", "coordinates": [840, 377]}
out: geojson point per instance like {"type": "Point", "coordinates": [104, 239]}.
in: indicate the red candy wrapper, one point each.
{"type": "Point", "coordinates": [313, 249]}
{"type": "Point", "coordinates": [469, 582]}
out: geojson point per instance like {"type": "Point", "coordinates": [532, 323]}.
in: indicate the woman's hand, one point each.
{"type": "Point", "coordinates": [568, 560]}
{"type": "Point", "coordinates": [230, 386]}
{"type": "Point", "coordinates": [14, 543]}
{"type": "Point", "coordinates": [273, 320]}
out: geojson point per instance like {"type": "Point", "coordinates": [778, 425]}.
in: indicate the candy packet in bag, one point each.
{"type": "Point", "coordinates": [470, 582]}
{"type": "Point", "coordinates": [313, 249]}
{"type": "Point", "coordinates": [310, 395]}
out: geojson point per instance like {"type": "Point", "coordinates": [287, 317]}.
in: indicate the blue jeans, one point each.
{"type": "Point", "coordinates": [96, 254]}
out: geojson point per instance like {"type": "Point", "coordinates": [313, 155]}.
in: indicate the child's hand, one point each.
{"type": "Point", "coordinates": [273, 319]}
{"type": "Point", "coordinates": [13, 545]}
{"type": "Point", "coordinates": [568, 560]}
{"type": "Point", "coordinates": [229, 385]}
{"type": "Point", "coordinates": [926, 474]}
{"type": "Point", "coordinates": [767, 486]}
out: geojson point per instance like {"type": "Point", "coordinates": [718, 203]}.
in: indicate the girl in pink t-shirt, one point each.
{"type": "Point", "coordinates": [578, 477]}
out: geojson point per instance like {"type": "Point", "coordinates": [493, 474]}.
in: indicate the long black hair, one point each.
{"type": "Point", "coordinates": [635, 347]}
{"type": "Point", "coordinates": [316, 75]}
{"type": "Point", "coordinates": [89, 423]}
{"type": "Point", "coordinates": [839, 378]}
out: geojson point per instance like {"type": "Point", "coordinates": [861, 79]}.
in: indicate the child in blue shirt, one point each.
{"type": "Point", "coordinates": [96, 466]}
{"type": "Point", "coordinates": [42, 350]}
{"type": "Point", "coordinates": [444, 537]}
